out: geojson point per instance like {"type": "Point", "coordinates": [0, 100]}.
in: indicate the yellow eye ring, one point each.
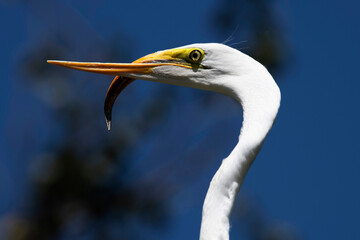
{"type": "Point", "coordinates": [195, 56]}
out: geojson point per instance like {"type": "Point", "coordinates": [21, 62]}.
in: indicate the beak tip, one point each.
{"type": "Point", "coordinates": [55, 62]}
{"type": "Point", "coordinates": [108, 124]}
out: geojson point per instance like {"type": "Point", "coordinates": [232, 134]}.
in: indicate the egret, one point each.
{"type": "Point", "coordinates": [212, 67]}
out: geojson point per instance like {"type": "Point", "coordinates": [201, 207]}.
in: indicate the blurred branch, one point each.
{"type": "Point", "coordinates": [255, 22]}
{"type": "Point", "coordinates": [250, 219]}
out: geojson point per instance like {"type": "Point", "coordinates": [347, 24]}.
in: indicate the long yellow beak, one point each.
{"type": "Point", "coordinates": [111, 68]}
{"type": "Point", "coordinates": [143, 65]}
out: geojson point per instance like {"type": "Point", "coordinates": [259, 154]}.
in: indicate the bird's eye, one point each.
{"type": "Point", "coordinates": [195, 56]}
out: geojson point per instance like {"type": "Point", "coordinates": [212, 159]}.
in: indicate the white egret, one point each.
{"type": "Point", "coordinates": [212, 67]}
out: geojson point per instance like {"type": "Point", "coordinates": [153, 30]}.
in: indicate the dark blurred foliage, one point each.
{"type": "Point", "coordinates": [79, 179]}
{"type": "Point", "coordinates": [79, 184]}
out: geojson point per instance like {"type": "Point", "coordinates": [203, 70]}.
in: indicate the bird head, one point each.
{"type": "Point", "coordinates": [209, 66]}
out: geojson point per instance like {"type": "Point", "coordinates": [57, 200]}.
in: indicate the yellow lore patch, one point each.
{"type": "Point", "coordinates": [184, 57]}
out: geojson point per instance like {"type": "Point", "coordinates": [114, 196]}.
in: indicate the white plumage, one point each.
{"type": "Point", "coordinates": [220, 69]}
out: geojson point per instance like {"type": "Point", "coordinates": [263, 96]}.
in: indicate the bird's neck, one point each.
{"type": "Point", "coordinates": [260, 100]}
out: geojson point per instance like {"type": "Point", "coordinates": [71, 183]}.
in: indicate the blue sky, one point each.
{"type": "Point", "coordinates": [307, 174]}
